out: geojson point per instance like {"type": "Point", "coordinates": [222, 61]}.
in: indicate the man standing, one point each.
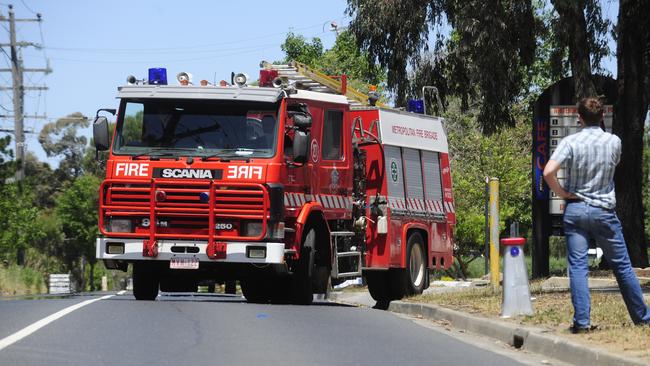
{"type": "Point", "coordinates": [590, 158]}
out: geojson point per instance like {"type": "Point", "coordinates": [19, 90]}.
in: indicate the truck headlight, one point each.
{"type": "Point", "coordinates": [252, 228]}
{"type": "Point", "coordinates": [120, 225]}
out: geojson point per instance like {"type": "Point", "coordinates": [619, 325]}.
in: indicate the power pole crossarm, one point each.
{"type": "Point", "coordinates": [22, 44]}
{"type": "Point", "coordinates": [25, 116]}
{"type": "Point", "coordinates": [25, 88]}
{"type": "Point", "coordinates": [46, 70]}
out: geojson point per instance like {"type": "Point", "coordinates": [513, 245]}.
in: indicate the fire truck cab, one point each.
{"type": "Point", "coordinates": [283, 189]}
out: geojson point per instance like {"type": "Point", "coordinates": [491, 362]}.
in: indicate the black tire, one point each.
{"type": "Point", "coordinates": [411, 280]}
{"type": "Point", "coordinates": [212, 286]}
{"type": "Point", "coordinates": [302, 287]}
{"type": "Point", "coordinates": [255, 289]}
{"type": "Point", "coordinates": [230, 287]}
{"type": "Point", "coordinates": [416, 265]}
{"type": "Point", "coordinates": [378, 285]}
{"type": "Point", "coordinates": [170, 283]}
{"type": "Point", "coordinates": [146, 280]}
{"type": "Point", "coordinates": [322, 280]}
{"type": "Point", "coordinates": [281, 290]}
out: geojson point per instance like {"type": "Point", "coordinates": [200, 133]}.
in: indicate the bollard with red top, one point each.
{"type": "Point", "coordinates": [516, 294]}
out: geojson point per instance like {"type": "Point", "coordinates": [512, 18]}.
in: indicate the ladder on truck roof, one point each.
{"type": "Point", "coordinates": [307, 78]}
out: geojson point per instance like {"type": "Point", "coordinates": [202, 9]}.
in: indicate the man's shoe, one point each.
{"type": "Point", "coordinates": [582, 330]}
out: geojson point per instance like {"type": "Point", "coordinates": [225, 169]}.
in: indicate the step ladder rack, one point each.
{"type": "Point", "coordinates": [350, 254]}
{"type": "Point", "coordinates": [307, 78]}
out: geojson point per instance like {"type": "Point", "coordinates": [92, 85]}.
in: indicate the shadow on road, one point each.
{"type": "Point", "coordinates": [218, 298]}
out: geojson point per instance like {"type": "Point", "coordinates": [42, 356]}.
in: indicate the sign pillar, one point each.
{"type": "Point", "coordinates": [494, 232]}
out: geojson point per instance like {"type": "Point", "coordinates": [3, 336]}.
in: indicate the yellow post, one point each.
{"type": "Point", "coordinates": [494, 232]}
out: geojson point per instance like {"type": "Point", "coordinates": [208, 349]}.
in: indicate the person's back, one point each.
{"type": "Point", "coordinates": [590, 158]}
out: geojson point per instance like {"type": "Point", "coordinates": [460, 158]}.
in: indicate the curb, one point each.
{"type": "Point", "coordinates": [530, 339]}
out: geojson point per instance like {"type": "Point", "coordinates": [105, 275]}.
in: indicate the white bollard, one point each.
{"type": "Point", "coordinates": [516, 294]}
{"type": "Point", "coordinates": [104, 283]}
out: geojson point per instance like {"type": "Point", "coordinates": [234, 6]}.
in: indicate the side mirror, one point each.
{"type": "Point", "coordinates": [302, 121]}
{"type": "Point", "coordinates": [301, 146]}
{"type": "Point", "coordinates": [100, 133]}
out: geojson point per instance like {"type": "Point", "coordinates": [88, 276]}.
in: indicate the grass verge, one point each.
{"type": "Point", "coordinates": [17, 280]}
{"type": "Point", "coordinates": [554, 312]}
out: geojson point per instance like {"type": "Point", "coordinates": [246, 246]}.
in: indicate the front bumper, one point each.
{"type": "Point", "coordinates": [236, 252]}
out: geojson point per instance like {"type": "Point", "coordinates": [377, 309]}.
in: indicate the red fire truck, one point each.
{"type": "Point", "coordinates": [283, 188]}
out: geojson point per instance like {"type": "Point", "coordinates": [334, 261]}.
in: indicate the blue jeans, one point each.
{"type": "Point", "coordinates": [581, 223]}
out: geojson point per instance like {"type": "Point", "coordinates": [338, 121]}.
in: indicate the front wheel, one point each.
{"type": "Point", "coordinates": [302, 281]}
{"type": "Point", "coordinates": [146, 280]}
{"type": "Point", "coordinates": [255, 289]}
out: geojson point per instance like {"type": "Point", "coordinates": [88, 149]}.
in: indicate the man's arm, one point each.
{"type": "Point", "coordinates": [550, 176]}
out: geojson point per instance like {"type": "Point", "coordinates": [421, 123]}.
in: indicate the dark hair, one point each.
{"type": "Point", "coordinates": [591, 111]}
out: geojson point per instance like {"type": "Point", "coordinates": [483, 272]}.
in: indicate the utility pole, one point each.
{"type": "Point", "coordinates": [18, 88]}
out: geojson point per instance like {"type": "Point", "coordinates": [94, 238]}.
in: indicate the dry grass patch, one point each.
{"type": "Point", "coordinates": [554, 312]}
{"type": "Point", "coordinates": [17, 280]}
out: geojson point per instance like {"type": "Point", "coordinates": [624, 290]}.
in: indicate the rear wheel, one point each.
{"type": "Point", "coordinates": [416, 266]}
{"type": "Point", "coordinates": [413, 279]}
{"type": "Point", "coordinates": [145, 281]}
{"type": "Point", "coordinates": [378, 285]}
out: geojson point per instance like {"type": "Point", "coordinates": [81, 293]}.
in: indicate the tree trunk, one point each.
{"type": "Point", "coordinates": [633, 53]}
{"type": "Point", "coordinates": [572, 16]}
{"type": "Point", "coordinates": [92, 276]}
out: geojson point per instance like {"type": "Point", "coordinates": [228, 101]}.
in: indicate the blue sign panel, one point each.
{"type": "Point", "coordinates": [540, 156]}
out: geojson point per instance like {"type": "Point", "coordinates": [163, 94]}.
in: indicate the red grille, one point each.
{"type": "Point", "coordinates": [185, 215]}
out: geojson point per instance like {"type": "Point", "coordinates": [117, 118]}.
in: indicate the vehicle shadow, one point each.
{"type": "Point", "coordinates": [219, 298]}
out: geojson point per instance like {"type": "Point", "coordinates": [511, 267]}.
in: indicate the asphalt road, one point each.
{"type": "Point", "coordinates": [225, 330]}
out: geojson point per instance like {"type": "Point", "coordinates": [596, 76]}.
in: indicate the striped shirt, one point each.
{"type": "Point", "coordinates": [589, 158]}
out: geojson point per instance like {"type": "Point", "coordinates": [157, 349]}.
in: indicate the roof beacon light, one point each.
{"type": "Point", "coordinates": [184, 78]}
{"type": "Point", "coordinates": [158, 76]}
{"type": "Point", "coordinates": [240, 79]}
{"type": "Point", "coordinates": [415, 106]}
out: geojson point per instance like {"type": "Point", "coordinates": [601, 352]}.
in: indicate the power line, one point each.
{"type": "Point", "coordinates": [200, 48]}
{"type": "Point", "coordinates": [216, 54]}
{"type": "Point", "coordinates": [28, 8]}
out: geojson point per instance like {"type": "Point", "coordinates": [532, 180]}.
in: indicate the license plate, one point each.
{"type": "Point", "coordinates": [184, 263]}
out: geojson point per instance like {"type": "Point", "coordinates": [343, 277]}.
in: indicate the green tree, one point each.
{"type": "Point", "coordinates": [7, 166]}
{"type": "Point", "coordinates": [43, 182]}
{"type": "Point", "coordinates": [474, 157]}
{"type": "Point", "coordinates": [76, 208]}
{"type": "Point", "coordinates": [297, 48]}
{"type": "Point", "coordinates": [61, 139]}
{"type": "Point", "coordinates": [17, 229]}
{"type": "Point", "coordinates": [343, 58]}
{"type": "Point", "coordinates": [633, 59]}
{"type": "Point", "coordinates": [489, 50]}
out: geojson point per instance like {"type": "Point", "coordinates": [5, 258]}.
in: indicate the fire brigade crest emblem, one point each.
{"type": "Point", "coordinates": [393, 171]}
{"type": "Point", "coordinates": [334, 180]}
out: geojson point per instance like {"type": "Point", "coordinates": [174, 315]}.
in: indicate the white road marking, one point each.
{"type": "Point", "coordinates": [9, 340]}
{"type": "Point", "coordinates": [121, 292]}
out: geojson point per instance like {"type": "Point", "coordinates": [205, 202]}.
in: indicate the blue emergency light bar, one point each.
{"type": "Point", "coordinates": [415, 106]}
{"type": "Point", "coordinates": [158, 76]}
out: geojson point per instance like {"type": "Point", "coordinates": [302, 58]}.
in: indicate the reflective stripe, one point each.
{"type": "Point", "coordinates": [292, 199]}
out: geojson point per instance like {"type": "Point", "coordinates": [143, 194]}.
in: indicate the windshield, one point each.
{"type": "Point", "coordinates": [176, 127]}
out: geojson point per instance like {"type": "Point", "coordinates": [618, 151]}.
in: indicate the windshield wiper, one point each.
{"type": "Point", "coordinates": [155, 154]}
{"type": "Point", "coordinates": [240, 153]}
{"type": "Point", "coordinates": [151, 155]}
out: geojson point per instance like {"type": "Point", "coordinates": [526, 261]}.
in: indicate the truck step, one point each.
{"type": "Point", "coordinates": [346, 263]}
